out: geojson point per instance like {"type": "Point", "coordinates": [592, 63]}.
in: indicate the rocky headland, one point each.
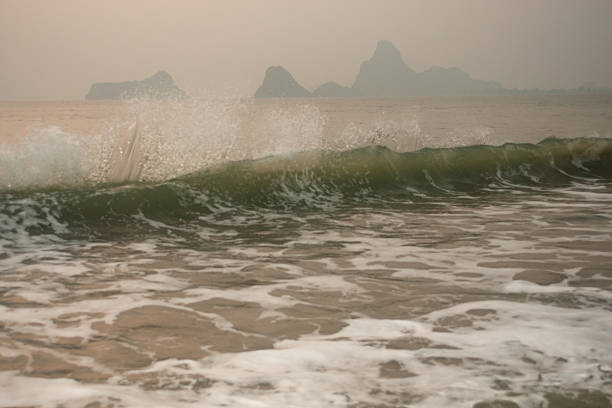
{"type": "Point", "coordinates": [386, 75]}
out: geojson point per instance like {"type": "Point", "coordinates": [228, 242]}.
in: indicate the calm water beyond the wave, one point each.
{"type": "Point", "coordinates": [439, 252]}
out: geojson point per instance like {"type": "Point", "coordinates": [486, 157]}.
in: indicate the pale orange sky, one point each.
{"type": "Point", "coordinates": [55, 49]}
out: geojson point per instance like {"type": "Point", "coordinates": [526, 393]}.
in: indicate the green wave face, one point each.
{"type": "Point", "coordinates": [431, 171]}
{"type": "Point", "coordinates": [308, 181]}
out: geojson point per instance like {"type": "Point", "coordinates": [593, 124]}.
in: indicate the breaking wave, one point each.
{"type": "Point", "coordinates": [311, 180]}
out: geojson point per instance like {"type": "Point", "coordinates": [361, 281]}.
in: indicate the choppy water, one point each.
{"type": "Point", "coordinates": [308, 254]}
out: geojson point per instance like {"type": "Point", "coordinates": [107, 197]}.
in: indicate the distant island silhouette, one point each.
{"type": "Point", "coordinates": [159, 85]}
{"type": "Point", "coordinates": [386, 75]}
{"type": "Point", "coordinates": [278, 82]}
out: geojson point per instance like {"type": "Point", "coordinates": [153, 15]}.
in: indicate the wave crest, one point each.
{"type": "Point", "coordinates": [316, 180]}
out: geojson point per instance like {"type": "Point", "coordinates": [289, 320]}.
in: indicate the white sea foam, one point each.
{"type": "Point", "coordinates": [565, 346]}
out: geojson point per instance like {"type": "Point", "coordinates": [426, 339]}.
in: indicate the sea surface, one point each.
{"type": "Point", "coordinates": [434, 252]}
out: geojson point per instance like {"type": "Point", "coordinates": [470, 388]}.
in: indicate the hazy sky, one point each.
{"type": "Point", "coordinates": [55, 49]}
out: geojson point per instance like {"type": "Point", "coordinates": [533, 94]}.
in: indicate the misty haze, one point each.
{"type": "Point", "coordinates": [306, 204]}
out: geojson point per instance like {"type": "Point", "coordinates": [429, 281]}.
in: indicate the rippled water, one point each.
{"type": "Point", "coordinates": [333, 273]}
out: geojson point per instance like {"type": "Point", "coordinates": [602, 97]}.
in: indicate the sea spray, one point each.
{"type": "Point", "coordinates": [159, 140]}
{"type": "Point", "coordinates": [51, 157]}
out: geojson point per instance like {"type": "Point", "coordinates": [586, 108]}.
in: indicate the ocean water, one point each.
{"type": "Point", "coordinates": [307, 253]}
